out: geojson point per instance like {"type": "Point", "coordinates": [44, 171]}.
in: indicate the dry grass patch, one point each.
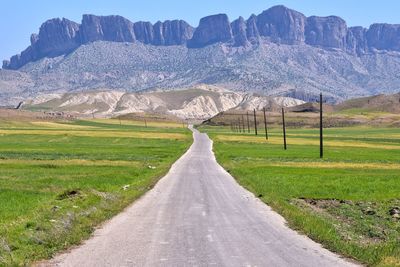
{"type": "Point", "coordinates": [149, 123]}
{"type": "Point", "coordinates": [72, 162]}
{"type": "Point", "coordinates": [145, 135]}
{"type": "Point", "coordinates": [48, 124]}
{"type": "Point", "coordinates": [390, 261]}
{"type": "Point", "coordinates": [304, 141]}
{"type": "Point", "coordinates": [336, 165]}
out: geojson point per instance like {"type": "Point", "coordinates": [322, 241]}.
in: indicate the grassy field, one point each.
{"type": "Point", "coordinates": [347, 201]}
{"type": "Point", "coordinates": [59, 180]}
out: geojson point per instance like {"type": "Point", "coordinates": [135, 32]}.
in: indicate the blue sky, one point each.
{"type": "Point", "coordinates": [20, 18]}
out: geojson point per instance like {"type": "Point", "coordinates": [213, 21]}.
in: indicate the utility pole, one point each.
{"type": "Point", "coordinates": [244, 127]}
{"type": "Point", "coordinates": [265, 125]}
{"type": "Point", "coordinates": [321, 138]}
{"type": "Point", "coordinates": [240, 129]}
{"type": "Point", "coordinates": [248, 122]}
{"type": "Point", "coordinates": [284, 129]}
{"type": "Point", "coordinates": [145, 123]}
{"type": "Point", "coordinates": [255, 121]}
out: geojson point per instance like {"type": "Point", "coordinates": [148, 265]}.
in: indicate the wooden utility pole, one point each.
{"type": "Point", "coordinates": [284, 129]}
{"type": "Point", "coordinates": [321, 137]}
{"type": "Point", "coordinates": [255, 121]}
{"type": "Point", "coordinates": [248, 122]}
{"type": "Point", "coordinates": [240, 130]}
{"type": "Point", "coordinates": [243, 126]}
{"type": "Point", "coordinates": [265, 125]}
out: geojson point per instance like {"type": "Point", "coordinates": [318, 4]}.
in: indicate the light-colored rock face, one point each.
{"type": "Point", "coordinates": [99, 102]}
{"type": "Point", "coordinates": [204, 107]}
{"type": "Point", "coordinates": [44, 98]}
{"type": "Point", "coordinates": [288, 101]}
{"type": "Point", "coordinates": [251, 102]}
{"type": "Point", "coordinates": [131, 103]}
{"type": "Point", "coordinates": [198, 104]}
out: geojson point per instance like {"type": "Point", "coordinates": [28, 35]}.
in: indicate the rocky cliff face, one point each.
{"type": "Point", "coordinates": [61, 36]}
{"type": "Point", "coordinates": [356, 40]}
{"type": "Point", "coordinates": [282, 25]}
{"type": "Point", "coordinates": [252, 32]}
{"type": "Point", "coordinates": [277, 24]}
{"type": "Point", "coordinates": [175, 32]}
{"type": "Point", "coordinates": [239, 29]}
{"type": "Point", "coordinates": [144, 32]}
{"type": "Point", "coordinates": [108, 28]}
{"type": "Point", "coordinates": [56, 37]}
{"type": "Point", "coordinates": [326, 32]}
{"type": "Point", "coordinates": [212, 29]}
{"type": "Point", "coordinates": [384, 37]}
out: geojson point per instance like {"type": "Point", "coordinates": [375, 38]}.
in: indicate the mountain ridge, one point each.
{"type": "Point", "coordinates": [298, 71]}
{"type": "Point", "coordinates": [278, 24]}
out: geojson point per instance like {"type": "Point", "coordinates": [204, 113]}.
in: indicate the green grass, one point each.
{"type": "Point", "coordinates": [55, 188]}
{"type": "Point", "coordinates": [342, 201]}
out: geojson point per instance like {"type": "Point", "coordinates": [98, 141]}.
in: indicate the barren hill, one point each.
{"type": "Point", "coordinates": [201, 103]}
{"type": "Point", "coordinates": [378, 103]}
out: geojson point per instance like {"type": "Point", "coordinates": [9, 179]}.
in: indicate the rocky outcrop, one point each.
{"type": "Point", "coordinates": [356, 41]}
{"type": "Point", "coordinates": [158, 34]}
{"type": "Point", "coordinates": [144, 32]}
{"type": "Point", "coordinates": [212, 29]}
{"type": "Point", "coordinates": [278, 24]}
{"type": "Point", "coordinates": [56, 37]}
{"type": "Point", "coordinates": [106, 28]}
{"type": "Point", "coordinates": [384, 36]}
{"type": "Point", "coordinates": [327, 32]}
{"type": "Point", "coordinates": [282, 25]}
{"type": "Point", "coordinates": [251, 29]}
{"type": "Point", "coordinates": [175, 32]}
{"type": "Point", "coordinates": [239, 32]}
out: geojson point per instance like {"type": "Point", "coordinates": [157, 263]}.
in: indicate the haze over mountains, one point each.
{"type": "Point", "coordinates": [278, 52]}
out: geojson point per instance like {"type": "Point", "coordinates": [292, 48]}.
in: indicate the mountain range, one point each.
{"type": "Point", "coordinates": [278, 52]}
